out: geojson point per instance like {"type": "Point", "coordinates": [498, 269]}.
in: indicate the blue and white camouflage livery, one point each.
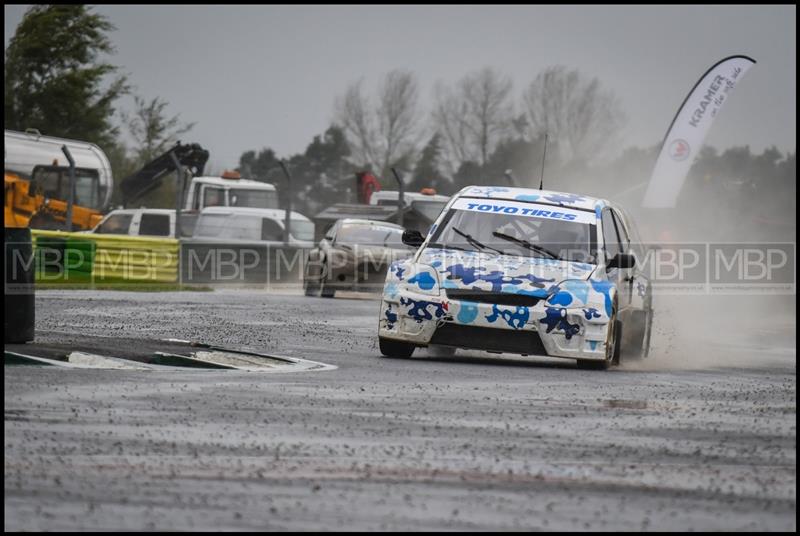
{"type": "Point", "coordinates": [572, 302]}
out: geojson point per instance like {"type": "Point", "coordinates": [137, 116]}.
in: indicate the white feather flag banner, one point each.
{"type": "Point", "coordinates": [689, 128]}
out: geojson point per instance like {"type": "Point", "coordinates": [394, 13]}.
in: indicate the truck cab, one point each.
{"type": "Point", "coordinates": [229, 190]}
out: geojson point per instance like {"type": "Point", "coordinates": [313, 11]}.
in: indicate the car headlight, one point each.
{"type": "Point", "coordinates": [422, 279]}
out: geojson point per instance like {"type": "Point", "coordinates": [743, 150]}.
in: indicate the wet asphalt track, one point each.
{"type": "Point", "coordinates": [703, 436]}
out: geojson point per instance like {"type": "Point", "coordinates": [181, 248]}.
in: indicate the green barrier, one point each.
{"type": "Point", "coordinates": [89, 257]}
{"type": "Point", "coordinates": [79, 254]}
{"type": "Point", "coordinates": [49, 252]}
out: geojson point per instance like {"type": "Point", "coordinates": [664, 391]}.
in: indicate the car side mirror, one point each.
{"type": "Point", "coordinates": [622, 260]}
{"type": "Point", "coordinates": [413, 238]}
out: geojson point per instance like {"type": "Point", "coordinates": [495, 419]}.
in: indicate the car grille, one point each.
{"type": "Point", "coordinates": [487, 296]}
{"type": "Point", "coordinates": [497, 340]}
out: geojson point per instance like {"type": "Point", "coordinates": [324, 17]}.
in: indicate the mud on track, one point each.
{"type": "Point", "coordinates": [701, 437]}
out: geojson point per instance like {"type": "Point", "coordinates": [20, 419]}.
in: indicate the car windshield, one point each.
{"type": "Point", "coordinates": [302, 229]}
{"type": "Point", "coordinates": [118, 223]}
{"type": "Point", "coordinates": [518, 229]}
{"type": "Point", "coordinates": [253, 198]}
{"type": "Point", "coordinates": [371, 235]}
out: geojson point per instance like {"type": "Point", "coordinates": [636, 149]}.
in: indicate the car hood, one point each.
{"type": "Point", "coordinates": [501, 273]}
{"type": "Point", "coordinates": [377, 254]}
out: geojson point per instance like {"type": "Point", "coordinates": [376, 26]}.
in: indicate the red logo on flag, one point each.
{"type": "Point", "coordinates": [679, 150]}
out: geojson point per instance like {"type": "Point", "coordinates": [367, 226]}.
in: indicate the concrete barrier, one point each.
{"type": "Point", "coordinates": [234, 262]}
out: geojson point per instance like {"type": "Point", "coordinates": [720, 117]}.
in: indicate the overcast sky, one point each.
{"type": "Point", "coordinates": [256, 76]}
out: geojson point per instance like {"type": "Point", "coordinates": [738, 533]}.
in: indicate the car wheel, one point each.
{"type": "Point", "coordinates": [325, 290]}
{"type": "Point", "coordinates": [612, 348]}
{"type": "Point", "coordinates": [310, 288]}
{"type": "Point", "coordinates": [391, 348]}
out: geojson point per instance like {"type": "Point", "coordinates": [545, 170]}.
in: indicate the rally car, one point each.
{"type": "Point", "coordinates": [353, 255]}
{"type": "Point", "coordinates": [523, 271]}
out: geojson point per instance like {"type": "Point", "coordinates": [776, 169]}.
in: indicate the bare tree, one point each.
{"type": "Point", "coordinates": [474, 116]}
{"type": "Point", "coordinates": [385, 133]}
{"type": "Point", "coordinates": [575, 112]}
{"type": "Point", "coordinates": [152, 130]}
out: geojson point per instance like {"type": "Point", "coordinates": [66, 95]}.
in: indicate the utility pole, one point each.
{"type": "Point", "coordinates": [71, 196]}
{"type": "Point", "coordinates": [179, 180]}
{"type": "Point", "coordinates": [401, 201]}
{"type": "Point", "coordinates": [287, 218]}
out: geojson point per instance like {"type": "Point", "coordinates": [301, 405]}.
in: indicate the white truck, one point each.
{"type": "Point", "coordinates": [228, 190]}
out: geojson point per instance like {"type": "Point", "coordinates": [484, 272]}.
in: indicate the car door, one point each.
{"type": "Point", "coordinates": [627, 274]}
{"type": "Point", "coordinates": [639, 283]}
{"type": "Point", "coordinates": [612, 245]}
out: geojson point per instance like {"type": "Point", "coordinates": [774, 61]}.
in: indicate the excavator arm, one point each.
{"type": "Point", "coordinates": [149, 177]}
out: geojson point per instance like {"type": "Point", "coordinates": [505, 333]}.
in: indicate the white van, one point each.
{"type": "Point", "coordinates": [253, 225]}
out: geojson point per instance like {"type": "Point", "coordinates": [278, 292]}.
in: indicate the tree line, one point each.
{"type": "Point", "coordinates": [57, 82]}
{"type": "Point", "coordinates": [476, 131]}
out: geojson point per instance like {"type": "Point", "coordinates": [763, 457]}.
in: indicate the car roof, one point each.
{"type": "Point", "coordinates": [274, 213]}
{"type": "Point", "coordinates": [143, 209]}
{"type": "Point", "coordinates": [566, 199]}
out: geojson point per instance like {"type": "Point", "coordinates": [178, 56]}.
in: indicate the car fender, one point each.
{"type": "Point", "coordinates": [577, 293]}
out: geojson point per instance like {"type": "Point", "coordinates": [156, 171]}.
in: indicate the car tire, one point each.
{"type": "Point", "coordinates": [325, 290]}
{"type": "Point", "coordinates": [392, 348]}
{"type": "Point", "coordinates": [617, 343]}
{"type": "Point", "coordinates": [310, 288]}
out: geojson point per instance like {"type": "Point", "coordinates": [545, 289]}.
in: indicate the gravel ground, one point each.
{"type": "Point", "coordinates": [702, 436]}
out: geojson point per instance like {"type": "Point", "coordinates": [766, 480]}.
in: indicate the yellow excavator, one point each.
{"type": "Point", "coordinates": [26, 208]}
{"type": "Point", "coordinates": [54, 183]}
{"type": "Point", "coordinates": [43, 193]}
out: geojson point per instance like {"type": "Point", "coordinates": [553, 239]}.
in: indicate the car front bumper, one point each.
{"type": "Point", "coordinates": [423, 319]}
